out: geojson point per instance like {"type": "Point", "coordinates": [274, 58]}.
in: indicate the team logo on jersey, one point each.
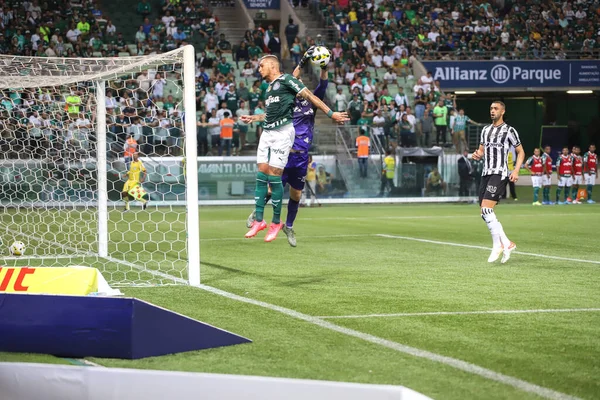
{"type": "Point", "coordinates": [491, 189]}
{"type": "Point", "coordinates": [276, 86]}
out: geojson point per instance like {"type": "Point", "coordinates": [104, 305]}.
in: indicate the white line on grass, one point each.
{"type": "Point", "coordinates": [453, 362]}
{"type": "Point", "coordinates": [241, 238]}
{"type": "Point", "coordinates": [469, 246]}
{"type": "Point", "coordinates": [419, 314]}
{"type": "Point", "coordinates": [399, 217]}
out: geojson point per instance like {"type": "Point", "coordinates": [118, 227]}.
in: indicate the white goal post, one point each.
{"type": "Point", "coordinates": [68, 129]}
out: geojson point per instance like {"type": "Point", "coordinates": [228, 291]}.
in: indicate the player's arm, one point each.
{"type": "Point", "coordinates": [514, 176]}
{"type": "Point", "coordinates": [528, 164]}
{"type": "Point", "coordinates": [253, 118]}
{"type": "Point", "coordinates": [585, 163]}
{"type": "Point", "coordinates": [338, 117]}
{"type": "Point", "coordinates": [143, 174]}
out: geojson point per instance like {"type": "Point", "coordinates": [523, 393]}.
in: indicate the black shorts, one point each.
{"type": "Point", "coordinates": [492, 187]}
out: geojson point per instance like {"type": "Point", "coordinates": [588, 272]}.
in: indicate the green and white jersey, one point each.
{"type": "Point", "coordinates": [280, 98]}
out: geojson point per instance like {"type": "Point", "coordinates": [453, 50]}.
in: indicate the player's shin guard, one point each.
{"type": "Point", "coordinates": [558, 191]}
{"type": "Point", "coordinates": [262, 188]}
{"type": "Point", "coordinates": [276, 197]}
{"type": "Point", "coordinates": [495, 227]}
{"type": "Point", "coordinates": [536, 193]}
{"type": "Point", "coordinates": [292, 212]}
{"type": "Point", "coordinates": [546, 193]}
{"type": "Point", "coordinates": [589, 191]}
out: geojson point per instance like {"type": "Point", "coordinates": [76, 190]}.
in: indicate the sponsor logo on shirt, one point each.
{"type": "Point", "coordinates": [276, 86]}
{"type": "Point", "coordinates": [272, 99]}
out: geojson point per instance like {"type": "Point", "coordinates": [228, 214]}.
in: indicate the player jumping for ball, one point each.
{"type": "Point", "coordinates": [133, 190]}
{"type": "Point", "coordinates": [295, 171]}
{"type": "Point", "coordinates": [277, 139]}
{"type": "Point", "coordinates": [496, 140]}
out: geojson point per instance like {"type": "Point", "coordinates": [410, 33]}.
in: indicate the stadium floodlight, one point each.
{"type": "Point", "coordinates": [63, 124]}
{"type": "Point", "coordinates": [580, 91]}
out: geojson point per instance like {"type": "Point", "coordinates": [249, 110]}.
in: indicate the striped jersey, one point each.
{"type": "Point", "coordinates": [497, 141]}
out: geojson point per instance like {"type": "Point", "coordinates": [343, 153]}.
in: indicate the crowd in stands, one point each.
{"type": "Point", "coordinates": [373, 51]}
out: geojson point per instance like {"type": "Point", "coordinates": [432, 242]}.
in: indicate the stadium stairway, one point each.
{"type": "Point", "coordinates": [231, 22]}
{"type": "Point", "coordinates": [124, 16]}
{"type": "Point", "coordinates": [312, 22]}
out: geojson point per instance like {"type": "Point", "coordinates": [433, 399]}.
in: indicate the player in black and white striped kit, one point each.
{"type": "Point", "coordinates": [496, 141]}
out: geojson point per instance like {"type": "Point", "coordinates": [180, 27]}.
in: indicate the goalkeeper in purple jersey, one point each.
{"type": "Point", "coordinates": [295, 170]}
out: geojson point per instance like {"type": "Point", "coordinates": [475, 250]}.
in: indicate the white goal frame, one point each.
{"type": "Point", "coordinates": [189, 133]}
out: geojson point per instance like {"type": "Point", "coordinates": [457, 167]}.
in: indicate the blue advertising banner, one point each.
{"type": "Point", "coordinates": [262, 4]}
{"type": "Point", "coordinates": [519, 75]}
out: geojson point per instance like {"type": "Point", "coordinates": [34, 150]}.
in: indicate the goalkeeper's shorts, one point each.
{"type": "Point", "coordinates": [135, 190]}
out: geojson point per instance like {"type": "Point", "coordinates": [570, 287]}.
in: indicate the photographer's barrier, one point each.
{"type": "Point", "coordinates": [110, 327]}
{"type": "Point", "coordinates": [60, 382]}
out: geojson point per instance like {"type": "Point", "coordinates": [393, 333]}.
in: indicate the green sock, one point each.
{"type": "Point", "coordinates": [558, 190]}
{"type": "Point", "coordinates": [536, 193]}
{"type": "Point", "coordinates": [546, 193]}
{"type": "Point", "coordinates": [567, 191]}
{"type": "Point", "coordinates": [262, 187]}
{"type": "Point", "coordinates": [589, 190]}
{"type": "Point", "coordinates": [276, 197]}
{"type": "Point", "coordinates": [574, 190]}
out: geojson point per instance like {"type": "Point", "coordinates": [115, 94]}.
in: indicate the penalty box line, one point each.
{"type": "Point", "coordinates": [469, 246]}
{"type": "Point", "coordinates": [484, 312]}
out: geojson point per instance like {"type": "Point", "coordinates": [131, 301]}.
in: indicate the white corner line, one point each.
{"type": "Point", "coordinates": [469, 246]}
{"type": "Point", "coordinates": [453, 362]}
{"type": "Point", "coordinates": [434, 313]}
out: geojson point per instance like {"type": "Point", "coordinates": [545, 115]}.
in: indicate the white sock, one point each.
{"type": "Point", "coordinates": [495, 227]}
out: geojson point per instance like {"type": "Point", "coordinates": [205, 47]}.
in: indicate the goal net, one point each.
{"type": "Point", "coordinates": [69, 129]}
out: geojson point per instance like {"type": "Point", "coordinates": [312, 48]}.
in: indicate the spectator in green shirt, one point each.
{"type": "Point", "coordinates": [440, 115]}
{"type": "Point", "coordinates": [144, 8]}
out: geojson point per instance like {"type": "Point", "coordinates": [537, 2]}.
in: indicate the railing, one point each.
{"type": "Point", "coordinates": [459, 55]}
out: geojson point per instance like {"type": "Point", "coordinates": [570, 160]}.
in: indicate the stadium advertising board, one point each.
{"type": "Point", "coordinates": [518, 75]}
{"type": "Point", "coordinates": [262, 4]}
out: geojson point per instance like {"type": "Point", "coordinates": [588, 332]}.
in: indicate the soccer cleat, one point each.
{"type": "Point", "coordinates": [561, 203]}
{"type": "Point", "coordinates": [515, 199]}
{"type": "Point", "coordinates": [256, 227]}
{"type": "Point", "coordinates": [506, 255]}
{"type": "Point", "coordinates": [273, 231]}
{"type": "Point", "coordinates": [495, 254]}
{"type": "Point", "coordinates": [569, 200]}
{"type": "Point", "coordinates": [251, 219]}
{"type": "Point", "coordinates": [545, 203]}
{"type": "Point", "coordinates": [590, 201]}
{"type": "Point", "coordinates": [536, 203]}
{"type": "Point", "coordinates": [291, 235]}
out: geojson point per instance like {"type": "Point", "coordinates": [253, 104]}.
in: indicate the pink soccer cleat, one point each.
{"type": "Point", "coordinates": [256, 227]}
{"type": "Point", "coordinates": [273, 231]}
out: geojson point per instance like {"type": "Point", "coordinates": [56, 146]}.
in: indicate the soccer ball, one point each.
{"type": "Point", "coordinates": [321, 56]}
{"type": "Point", "coordinates": [17, 248]}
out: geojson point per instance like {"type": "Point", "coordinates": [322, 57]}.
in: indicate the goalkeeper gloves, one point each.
{"type": "Point", "coordinates": [307, 56]}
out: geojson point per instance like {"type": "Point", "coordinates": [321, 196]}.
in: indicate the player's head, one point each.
{"type": "Point", "coordinates": [136, 156]}
{"type": "Point", "coordinates": [268, 66]}
{"type": "Point", "coordinates": [576, 150]}
{"type": "Point", "coordinates": [565, 151]}
{"type": "Point", "coordinates": [592, 147]}
{"type": "Point", "coordinates": [388, 152]}
{"type": "Point", "coordinates": [536, 152]}
{"type": "Point", "coordinates": [461, 112]}
{"type": "Point", "coordinates": [497, 110]}
{"type": "Point", "coordinates": [547, 149]}
{"type": "Point", "coordinates": [309, 158]}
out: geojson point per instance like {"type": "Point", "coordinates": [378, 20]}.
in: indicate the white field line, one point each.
{"type": "Point", "coordinates": [453, 362]}
{"type": "Point", "coordinates": [420, 314]}
{"type": "Point", "coordinates": [469, 246]}
{"type": "Point", "coordinates": [241, 238]}
{"type": "Point", "coordinates": [401, 348]}
{"type": "Point", "coordinates": [398, 217]}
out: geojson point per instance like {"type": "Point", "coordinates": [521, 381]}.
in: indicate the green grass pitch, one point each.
{"type": "Point", "coordinates": [344, 267]}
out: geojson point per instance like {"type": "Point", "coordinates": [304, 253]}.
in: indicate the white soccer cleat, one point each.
{"type": "Point", "coordinates": [496, 252]}
{"type": "Point", "coordinates": [506, 255]}
{"type": "Point", "coordinates": [251, 219]}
